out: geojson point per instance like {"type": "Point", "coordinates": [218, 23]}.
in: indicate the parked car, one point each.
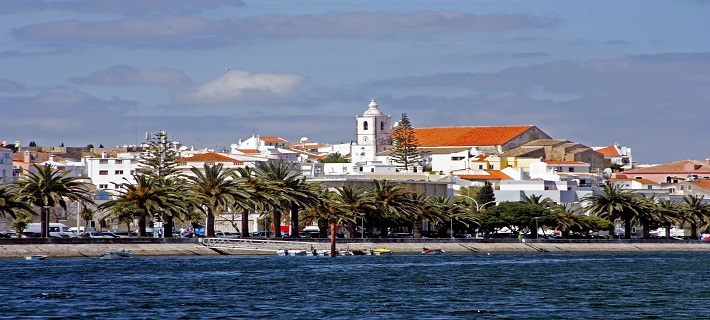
{"type": "Point", "coordinates": [95, 235]}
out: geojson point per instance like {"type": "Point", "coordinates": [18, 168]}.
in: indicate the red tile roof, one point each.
{"type": "Point", "coordinates": [492, 175]}
{"type": "Point", "coordinates": [644, 181]}
{"type": "Point", "coordinates": [248, 151]}
{"type": "Point", "coordinates": [564, 162]}
{"type": "Point", "coordinates": [678, 167]}
{"type": "Point", "coordinates": [211, 157]}
{"type": "Point", "coordinates": [705, 184]}
{"type": "Point", "coordinates": [272, 139]}
{"type": "Point", "coordinates": [467, 136]}
{"type": "Point", "coordinates": [609, 151]}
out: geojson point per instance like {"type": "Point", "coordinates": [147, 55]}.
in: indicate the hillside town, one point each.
{"type": "Point", "coordinates": [518, 162]}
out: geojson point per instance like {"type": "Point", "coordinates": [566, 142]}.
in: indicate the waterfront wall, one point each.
{"type": "Point", "coordinates": [17, 248]}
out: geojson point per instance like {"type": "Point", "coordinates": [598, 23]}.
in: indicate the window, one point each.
{"type": "Point", "coordinates": [118, 161]}
{"type": "Point", "coordinates": [134, 161]}
{"type": "Point", "coordinates": [490, 167]}
{"type": "Point", "coordinates": [571, 169]}
{"type": "Point", "coordinates": [103, 186]}
{"type": "Point", "coordinates": [133, 172]}
{"type": "Point", "coordinates": [364, 125]}
{"type": "Point", "coordinates": [103, 161]}
{"type": "Point", "coordinates": [118, 172]}
{"type": "Point", "coordinates": [382, 125]}
{"type": "Point", "coordinates": [457, 158]}
{"type": "Point", "coordinates": [480, 166]}
{"type": "Point", "coordinates": [103, 172]}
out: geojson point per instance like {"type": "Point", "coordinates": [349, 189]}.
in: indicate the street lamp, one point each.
{"type": "Point", "coordinates": [478, 207]}
{"type": "Point", "coordinates": [618, 227]}
{"type": "Point", "coordinates": [452, 227]}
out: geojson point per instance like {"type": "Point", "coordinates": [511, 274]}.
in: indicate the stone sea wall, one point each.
{"type": "Point", "coordinates": [191, 247]}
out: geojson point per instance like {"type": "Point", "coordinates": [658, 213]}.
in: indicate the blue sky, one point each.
{"type": "Point", "coordinates": [211, 72]}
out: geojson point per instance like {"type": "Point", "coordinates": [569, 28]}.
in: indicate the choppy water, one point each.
{"type": "Point", "coordinates": [496, 286]}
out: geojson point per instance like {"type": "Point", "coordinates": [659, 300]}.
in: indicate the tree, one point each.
{"type": "Point", "coordinates": [21, 221]}
{"type": "Point", "coordinates": [290, 191]}
{"type": "Point", "coordinates": [335, 158]}
{"type": "Point", "coordinates": [695, 212]}
{"type": "Point", "coordinates": [670, 213]}
{"type": "Point", "coordinates": [519, 217]}
{"type": "Point", "coordinates": [613, 203]}
{"type": "Point", "coordinates": [9, 202]}
{"type": "Point", "coordinates": [262, 195]}
{"type": "Point", "coordinates": [352, 202]}
{"type": "Point", "coordinates": [47, 188]}
{"type": "Point", "coordinates": [126, 212]}
{"type": "Point", "coordinates": [86, 214]}
{"type": "Point", "coordinates": [485, 195]}
{"type": "Point", "coordinates": [390, 202]}
{"type": "Point", "coordinates": [216, 190]}
{"type": "Point", "coordinates": [405, 150]}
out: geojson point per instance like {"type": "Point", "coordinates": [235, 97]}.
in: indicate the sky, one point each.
{"type": "Point", "coordinates": [211, 72]}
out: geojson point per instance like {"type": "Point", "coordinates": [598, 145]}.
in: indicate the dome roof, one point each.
{"type": "Point", "coordinates": [372, 109]}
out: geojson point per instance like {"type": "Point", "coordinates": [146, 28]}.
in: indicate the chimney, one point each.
{"type": "Point", "coordinates": [27, 157]}
{"type": "Point", "coordinates": [104, 154]}
{"type": "Point", "coordinates": [51, 158]}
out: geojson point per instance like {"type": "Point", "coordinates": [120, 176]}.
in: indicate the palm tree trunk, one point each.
{"type": "Point", "coordinates": [627, 232]}
{"type": "Point", "coordinates": [141, 225]}
{"type": "Point", "coordinates": [693, 231]}
{"type": "Point", "coordinates": [668, 230]}
{"type": "Point", "coordinates": [168, 227]}
{"type": "Point", "coordinates": [294, 221]}
{"type": "Point", "coordinates": [322, 228]}
{"type": "Point", "coordinates": [209, 228]}
{"type": "Point", "coordinates": [417, 228]}
{"type": "Point", "coordinates": [646, 230]}
{"type": "Point", "coordinates": [44, 224]}
{"type": "Point", "coordinates": [352, 229]}
{"type": "Point", "coordinates": [245, 224]}
{"type": "Point", "coordinates": [277, 224]}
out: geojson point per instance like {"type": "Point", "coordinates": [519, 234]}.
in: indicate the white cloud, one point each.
{"type": "Point", "coordinates": [240, 85]}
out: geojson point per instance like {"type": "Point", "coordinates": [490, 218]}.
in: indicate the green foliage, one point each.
{"type": "Point", "coordinates": [335, 158]}
{"type": "Point", "coordinates": [485, 194]}
{"type": "Point", "coordinates": [159, 159]}
{"type": "Point", "coordinates": [519, 217]}
{"type": "Point", "coordinates": [405, 150]}
{"type": "Point", "coordinates": [592, 223]}
{"type": "Point", "coordinates": [21, 221]}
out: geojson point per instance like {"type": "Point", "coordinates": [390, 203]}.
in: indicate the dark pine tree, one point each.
{"type": "Point", "coordinates": [405, 153]}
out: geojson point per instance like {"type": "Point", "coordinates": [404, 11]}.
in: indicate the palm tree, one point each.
{"type": "Point", "coordinates": [216, 189]}
{"type": "Point", "coordinates": [648, 213]}
{"type": "Point", "coordinates": [390, 203]}
{"type": "Point", "coordinates": [147, 194]}
{"type": "Point", "coordinates": [9, 202]}
{"type": "Point", "coordinates": [126, 212]}
{"type": "Point", "coordinates": [289, 190]}
{"type": "Point", "coordinates": [670, 213]}
{"type": "Point", "coordinates": [47, 188]}
{"type": "Point", "coordinates": [260, 195]}
{"type": "Point", "coordinates": [613, 203]}
{"type": "Point", "coordinates": [353, 202]}
{"type": "Point", "coordinates": [538, 200]}
{"type": "Point", "coordinates": [695, 212]}
{"type": "Point", "coordinates": [567, 219]}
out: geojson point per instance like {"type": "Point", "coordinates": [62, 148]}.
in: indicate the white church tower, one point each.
{"type": "Point", "coordinates": [373, 132]}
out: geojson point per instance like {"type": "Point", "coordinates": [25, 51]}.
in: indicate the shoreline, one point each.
{"type": "Point", "coordinates": [161, 247]}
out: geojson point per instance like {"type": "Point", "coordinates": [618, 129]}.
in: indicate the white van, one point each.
{"type": "Point", "coordinates": [56, 230]}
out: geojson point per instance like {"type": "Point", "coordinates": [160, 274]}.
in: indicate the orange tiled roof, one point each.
{"type": "Point", "coordinates": [678, 167]}
{"type": "Point", "coordinates": [480, 158]}
{"type": "Point", "coordinates": [211, 157]}
{"type": "Point", "coordinates": [272, 139]}
{"type": "Point", "coordinates": [644, 181]}
{"type": "Point", "coordinates": [609, 151]}
{"type": "Point", "coordinates": [248, 151]}
{"type": "Point", "coordinates": [564, 162]}
{"type": "Point", "coordinates": [467, 136]}
{"type": "Point", "coordinates": [492, 175]}
{"type": "Point", "coordinates": [705, 184]}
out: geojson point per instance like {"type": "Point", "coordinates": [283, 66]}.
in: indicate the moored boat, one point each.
{"type": "Point", "coordinates": [381, 251]}
{"type": "Point", "coordinates": [120, 254]}
{"type": "Point", "coordinates": [433, 251]}
{"type": "Point", "coordinates": [36, 257]}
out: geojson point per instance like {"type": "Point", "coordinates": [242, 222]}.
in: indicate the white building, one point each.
{"type": "Point", "coordinates": [373, 133]}
{"type": "Point", "coordinates": [105, 172]}
{"type": "Point", "coordinates": [6, 165]}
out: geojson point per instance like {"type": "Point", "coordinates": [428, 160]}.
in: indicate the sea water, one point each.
{"type": "Point", "coordinates": [448, 286]}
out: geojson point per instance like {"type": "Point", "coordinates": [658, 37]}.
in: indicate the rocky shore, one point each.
{"type": "Point", "coordinates": [191, 247]}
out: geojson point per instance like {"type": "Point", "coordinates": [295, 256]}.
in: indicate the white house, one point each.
{"type": "Point", "coordinates": [105, 172]}
{"type": "Point", "coordinates": [6, 165]}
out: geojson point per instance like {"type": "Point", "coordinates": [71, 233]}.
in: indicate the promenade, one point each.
{"type": "Point", "coordinates": [18, 248]}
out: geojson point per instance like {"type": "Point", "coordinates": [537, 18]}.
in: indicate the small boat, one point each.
{"type": "Point", "coordinates": [357, 252]}
{"type": "Point", "coordinates": [121, 254]}
{"type": "Point", "coordinates": [433, 251]}
{"type": "Point", "coordinates": [291, 252]}
{"type": "Point", "coordinates": [381, 251]}
{"type": "Point", "coordinates": [36, 257]}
